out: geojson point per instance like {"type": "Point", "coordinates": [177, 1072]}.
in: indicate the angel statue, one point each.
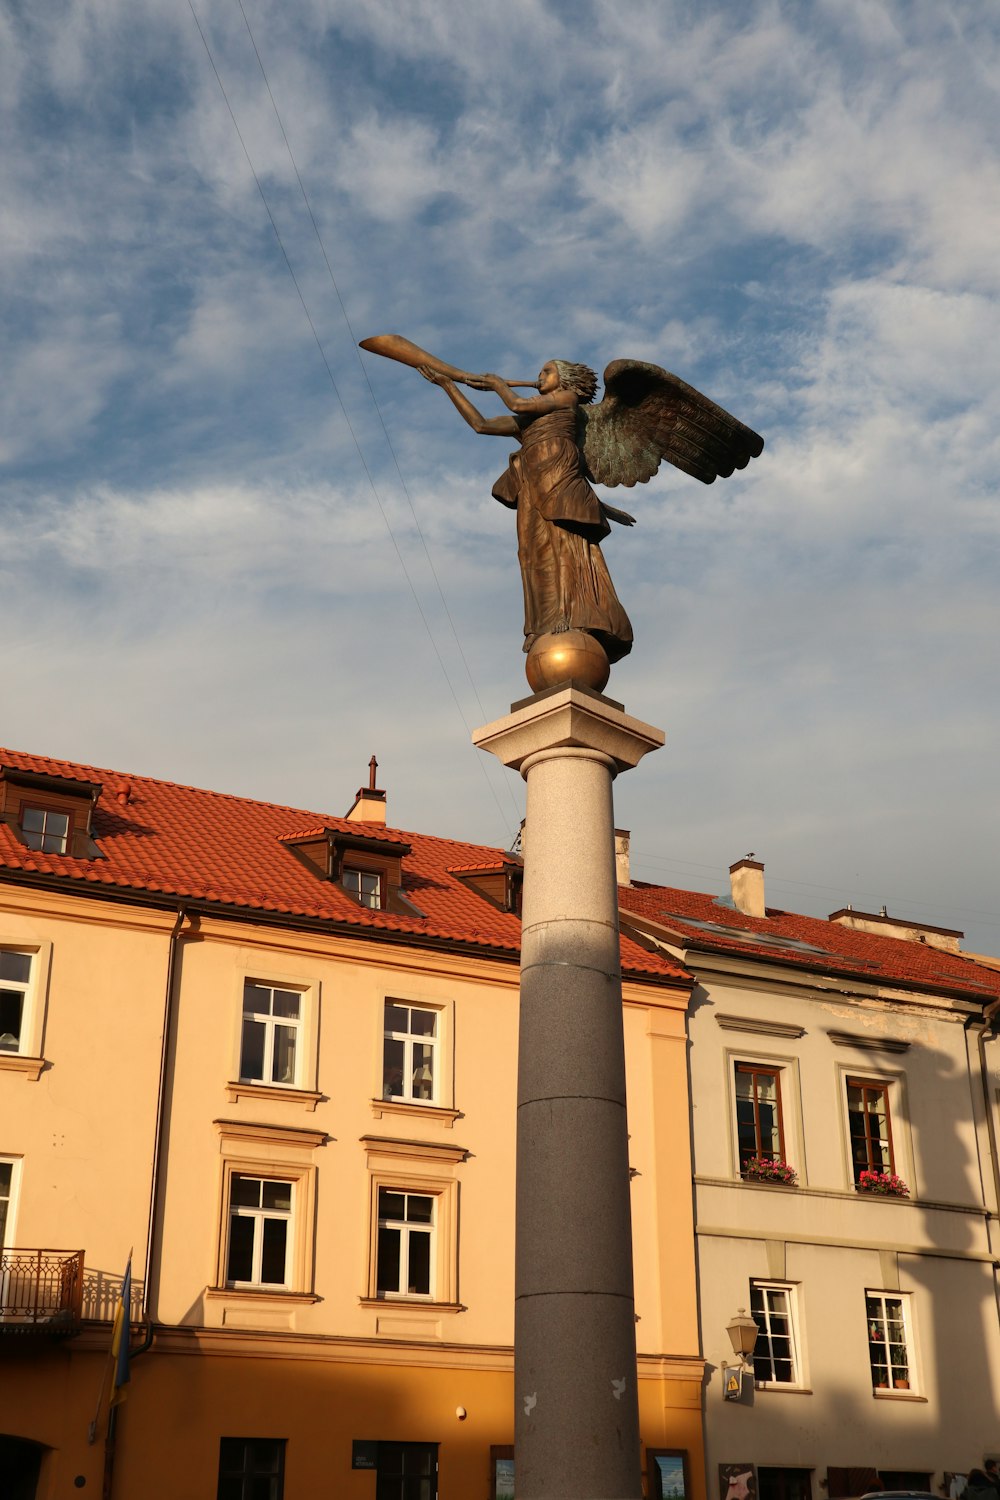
{"type": "Point", "coordinates": [566, 446]}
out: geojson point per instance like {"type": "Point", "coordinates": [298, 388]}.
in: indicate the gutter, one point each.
{"type": "Point", "coordinates": [262, 917]}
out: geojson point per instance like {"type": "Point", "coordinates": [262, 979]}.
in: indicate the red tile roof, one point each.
{"type": "Point", "coordinates": [184, 843]}
{"type": "Point", "coordinates": [807, 943]}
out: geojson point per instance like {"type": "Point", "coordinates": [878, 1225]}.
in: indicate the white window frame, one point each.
{"type": "Point", "coordinates": [9, 1237]}
{"type": "Point", "coordinates": [282, 1153]}
{"type": "Point", "coordinates": [270, 1023]}
{"type": "Point", "coordinates": [905, 1301]}
{"type": "Point", "coordinates": [259, 1215]}
{"type": "Point", "coordinates": [27, 1059]}
{"type": "Point", "coordinates": [307, 986]}
{"type": "Point", "coordinates": [429, 1169]}
{"type": "Point", "coordinates": [409, 1039]}
{"type": "Point", "coordinates": [788, 1290]}
{"type": "Point", "coordinates": [23, 988]}
{"type": "Point", "coordinates": [41, 834]}
{"type": "Point", "coordinates": [406, 1231]}
{"type": "Point", "coordinates": [359, 895]}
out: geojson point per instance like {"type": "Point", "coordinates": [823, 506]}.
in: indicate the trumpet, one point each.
{"type": "Point", "coordinates": [394, 346]}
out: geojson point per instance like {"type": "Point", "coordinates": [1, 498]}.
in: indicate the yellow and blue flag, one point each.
{"type": "Point", "coordinates": [119, 1340]}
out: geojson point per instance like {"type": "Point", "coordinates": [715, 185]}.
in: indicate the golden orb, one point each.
{"type": "Point", "coordinates": [564, 656]}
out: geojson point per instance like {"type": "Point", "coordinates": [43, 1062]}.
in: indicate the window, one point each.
{"type": "Point", "coordinates": [758, 1113]}
{"type": "Point", "coordinates": [774, 1356]}
{"type": "Point", "coordinates": [6, 1201]}
{"type": "Point", "coordinates": [269, 1052]}
{"type": "Point", "coordinates": [15, 981]}
{"type": "Point", "coordinates": [407, 1471]}
{"type": "Point", "coordinates": [260, 1217]}
{"type": "Point", "coordinates": [413, 1222]}
{"type": "Point", "coordinates": [409, 1053]}
{"type": "Point", "coordinates": [365, 886]}
{"type": "Point", "coordinates": [887, 1341]}
{"type": "Point", "coordinates": [251, 1468]}
{"type": "Point", "coordinates": [267, 1213]}
{"type": "Point", "coordinates": [44, 829]}
{"type": "Point", "coordinates": [405, 1253]}
{"type": "Point", "coordinates": [868, 1123]}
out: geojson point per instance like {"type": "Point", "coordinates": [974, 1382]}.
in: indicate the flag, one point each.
{"type": "Point", "coordinates": [119, 1340]}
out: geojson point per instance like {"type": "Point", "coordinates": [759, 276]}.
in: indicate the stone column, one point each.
{"type": "Point", "coordinates": [576, 1410]}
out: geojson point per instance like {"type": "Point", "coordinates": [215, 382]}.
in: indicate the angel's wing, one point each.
{"type": "Point", "coordinates": [647, 415]}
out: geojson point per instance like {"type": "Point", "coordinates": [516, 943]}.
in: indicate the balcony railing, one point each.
{"type": "Point", "coordinates": [40, 1291]}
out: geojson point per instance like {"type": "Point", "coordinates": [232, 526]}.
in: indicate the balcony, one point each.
{"type": "Point", "coordinates": [41, 1292]}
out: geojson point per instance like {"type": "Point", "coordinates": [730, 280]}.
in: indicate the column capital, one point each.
{"type": "Point", "coordinates": [568, 718]}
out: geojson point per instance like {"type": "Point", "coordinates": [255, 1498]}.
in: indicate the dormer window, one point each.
{"type": "Point", "coordinates": [50, 814]}
{"type": "Point", "coordinates": [364, 885]}
{"type": "Point", "coordinates": [368, 866]}
{"type": "Point", "coordinates": [45, 829]}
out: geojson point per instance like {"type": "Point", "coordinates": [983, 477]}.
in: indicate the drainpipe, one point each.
{"type": "Point", "coordinates": [110, 1440]}
{"type": "Point", "coordinates": [154, 1187]}
{"type": "Point", "coordinates": [988, 1032]}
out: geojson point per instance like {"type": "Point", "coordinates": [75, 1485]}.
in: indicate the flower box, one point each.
{"type": "Point", "coordinates": [760, 1169]}
{"type": "Point", "coordinates": [882, 1184]}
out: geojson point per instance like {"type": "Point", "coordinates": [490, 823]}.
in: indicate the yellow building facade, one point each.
{"type": "Point", "coordinates": [273, 1055]}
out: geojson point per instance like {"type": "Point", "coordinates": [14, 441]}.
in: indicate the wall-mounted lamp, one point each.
{"type": "Point", "coordinates": [743, 1333]}
{"type": "Point", "coordinates": [737, 1379]}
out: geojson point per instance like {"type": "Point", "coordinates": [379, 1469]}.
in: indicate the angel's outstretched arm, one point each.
{"type": "Point", "coordinates": [491, 426]}
{"type": "Point", "coordinates": [526, 406]}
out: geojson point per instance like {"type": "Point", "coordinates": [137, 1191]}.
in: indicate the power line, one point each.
{"type": "Point", "coordinates": [340, 401]}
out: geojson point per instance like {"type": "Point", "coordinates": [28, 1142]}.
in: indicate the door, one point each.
{"type": "Point", "coordinates": [407, 1471]}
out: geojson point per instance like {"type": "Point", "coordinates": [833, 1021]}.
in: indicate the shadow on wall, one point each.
{"type": "Point", "coordinates": [102, 1292]}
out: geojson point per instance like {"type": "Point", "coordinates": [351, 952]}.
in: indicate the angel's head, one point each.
{"type": "Point", "coordinates": [571, 377]}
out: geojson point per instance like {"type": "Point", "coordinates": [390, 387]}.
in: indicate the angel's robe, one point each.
{"type": "Point", "coordinates": [560, 524]}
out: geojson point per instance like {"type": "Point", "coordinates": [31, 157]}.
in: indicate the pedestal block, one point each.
{"type": "Point", "coordinates": [576, 1416]}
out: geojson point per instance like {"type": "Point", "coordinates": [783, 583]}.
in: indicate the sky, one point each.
{"type": "Point", "coordinates": [236, 553]}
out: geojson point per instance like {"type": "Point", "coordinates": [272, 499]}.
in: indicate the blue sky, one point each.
{"type": "Point", "coordinates": [795, 208]}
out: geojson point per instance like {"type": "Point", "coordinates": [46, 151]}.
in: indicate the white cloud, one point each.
{"type": "Point", "coordinates": [797, 210]}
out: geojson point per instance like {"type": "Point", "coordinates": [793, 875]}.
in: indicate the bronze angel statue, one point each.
{"type": "Point", "coordinates": [567, 445]}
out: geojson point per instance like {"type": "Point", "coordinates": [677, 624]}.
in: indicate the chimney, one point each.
{"type": "Point", "coordinates": [622, 837]}
{"type": "Point", "coordinates": [369, 803]}
{"type": "Point", "coordinates": [746, 877]}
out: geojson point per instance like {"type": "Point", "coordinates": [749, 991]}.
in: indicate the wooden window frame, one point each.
{"type": "Point", "coordinates": [869, 1085]}
{"type": "Point", "coordinates": [773, 1071]}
